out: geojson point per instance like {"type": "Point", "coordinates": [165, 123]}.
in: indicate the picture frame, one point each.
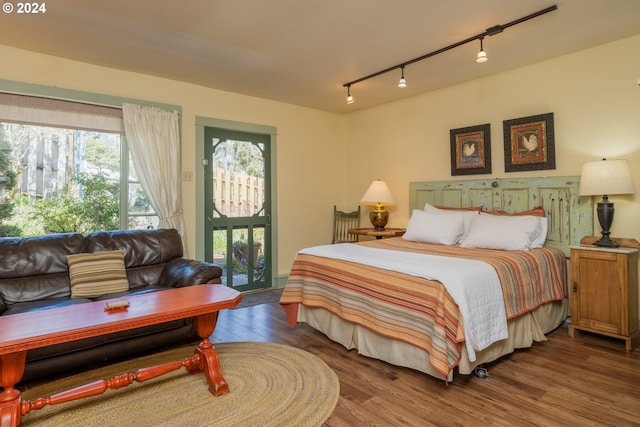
{"type": "Point", "coordinates": [529, 143]}
{"type": "Point", "coordinates": [471, 150]}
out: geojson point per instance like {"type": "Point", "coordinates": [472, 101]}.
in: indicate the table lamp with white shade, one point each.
{"type": "Point", "coordinates": [378, 195]}
{"type": "Point", "coordinates": [605, 178]}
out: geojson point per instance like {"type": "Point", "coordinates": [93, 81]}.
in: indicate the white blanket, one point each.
{"type": "Point", "coordinates": [474, 285]}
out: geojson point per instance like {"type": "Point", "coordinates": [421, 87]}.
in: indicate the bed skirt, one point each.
{"type": "Point", "coordinates": [523, 332]}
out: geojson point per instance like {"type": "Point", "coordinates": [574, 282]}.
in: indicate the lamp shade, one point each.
{"type": "Point", "coordinates": [378, 193]}
{"type": "Point", "coordinates": [606, 177]}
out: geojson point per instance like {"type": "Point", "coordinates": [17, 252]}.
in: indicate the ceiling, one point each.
{"type": "Point", "coordinates": [303, 51]}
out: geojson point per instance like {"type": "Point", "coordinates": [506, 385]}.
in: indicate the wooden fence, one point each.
{"type": "Point", "coordinates": [236, 193]}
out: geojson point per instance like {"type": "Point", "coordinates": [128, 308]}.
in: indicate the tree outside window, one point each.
{"type": "Point", "coordinates": [68, 180]}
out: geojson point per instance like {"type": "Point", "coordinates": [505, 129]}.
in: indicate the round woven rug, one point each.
{"type": "Point", "coordinates": [269, 385]}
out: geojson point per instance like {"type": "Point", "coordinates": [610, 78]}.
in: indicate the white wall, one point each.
{"type": "Point", "coordinates": [593, 95]}
{"type": "Point", "coordinates": [310, 152]}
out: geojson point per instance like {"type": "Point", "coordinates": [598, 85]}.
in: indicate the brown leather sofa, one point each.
{"type": "Point", "coordinates": [34, 276]}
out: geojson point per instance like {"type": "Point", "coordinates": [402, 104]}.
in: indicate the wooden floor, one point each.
{"type": "Point", "coordinates": [585, 381]}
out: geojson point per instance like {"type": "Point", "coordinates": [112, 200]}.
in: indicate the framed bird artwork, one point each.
{"type": "Point", "coordinates": [529, 143]}
{"type": "Point", "coordinates": [471, 150]}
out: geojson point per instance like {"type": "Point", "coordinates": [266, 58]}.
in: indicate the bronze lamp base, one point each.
{"type": "Point", "coordinates": [379, 217]}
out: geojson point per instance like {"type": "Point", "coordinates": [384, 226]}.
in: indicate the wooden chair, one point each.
{"type": "Point", "coordinates": [342, 222]}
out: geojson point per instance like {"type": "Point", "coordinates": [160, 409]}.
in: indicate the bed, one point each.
{"type": "Point", "coordinates": [462, 287]}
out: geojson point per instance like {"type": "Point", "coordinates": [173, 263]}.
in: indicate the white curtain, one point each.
{"type": "Point", "coordinates": [153, 136]}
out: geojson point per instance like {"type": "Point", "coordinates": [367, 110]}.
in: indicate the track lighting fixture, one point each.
{"type": "Point", "coordinates": [482, 55]}
{"type": "Point", "coordinates": [350, 99]}
{"type": "Point", "coordinates": [402, 82]}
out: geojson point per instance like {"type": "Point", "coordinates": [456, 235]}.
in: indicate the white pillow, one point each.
{"type": "Point", "coordinates": [510, 233]}
{"type": "Point", "coordinates": [434, 228]}
{"type": "Point", "coordinates": [541, 237]}
{"type": "Point", "coordinates": [467, 217]}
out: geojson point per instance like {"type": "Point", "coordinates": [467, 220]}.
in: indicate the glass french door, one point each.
{"type": "Point", "coordinates": [238, 209]}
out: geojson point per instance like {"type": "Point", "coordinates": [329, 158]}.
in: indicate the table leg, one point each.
{"type": "Point", "coordinates": [11, 370]}
{"type": "Point", "coordinates": [206, 356]}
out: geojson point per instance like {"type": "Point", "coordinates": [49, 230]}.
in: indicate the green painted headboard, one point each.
{"type": "Point", "coordinates": [570, 216]}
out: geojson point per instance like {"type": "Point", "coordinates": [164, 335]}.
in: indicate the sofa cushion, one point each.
{"type": "Point", "coordinates": [138, 291]}
{"type": "Point", "coordinates": [80, 355]}
{"type": "Point", "coordinates": [144, 275]}
{"type": "Point", "coordinates": [96, 274]}
{"type": "Point", "coordinates": [141, 247]}
{"type": "Point", "coordinates": [38, 255]}
{"type": "Point", "coordinates": [35, 268]}
{"type": "Point", "coordinates": [24, 307]}
{"type": "Point", "coordinates": [35, 288]}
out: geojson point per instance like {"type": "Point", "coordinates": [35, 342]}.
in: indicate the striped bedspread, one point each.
{"type": "Point", "coordinates": [415, 310]}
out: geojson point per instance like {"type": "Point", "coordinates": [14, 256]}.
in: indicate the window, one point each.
{"type": "Point", "coordinates": [69, 169]}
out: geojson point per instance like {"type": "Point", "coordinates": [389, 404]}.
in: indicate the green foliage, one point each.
{"type": "Point", "coordinates": [22, 217]}
{"type": "Point", "coordinates": [8, 177]}
{"type": "Point", "coordinates": [102, 155]}
{"type": "Point", "coordinates": [71, 203]}
{"type": "Point", "coordinates": [8, 230]}
{"type": "Point", "coordinates": [5, 170]}
{"type": "Point", "coordinates": [96, 208]}
{"type": "Point", "coordinates": [240, 156]}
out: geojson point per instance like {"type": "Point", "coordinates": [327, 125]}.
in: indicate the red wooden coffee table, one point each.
{"type": "Point", "coordinates": [24, 331]}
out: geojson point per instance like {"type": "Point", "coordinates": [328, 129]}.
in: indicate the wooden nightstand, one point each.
{"type": "Point", "coordinates": [387, 232]}
{"type": "Point", "coordinates": [604, 290]}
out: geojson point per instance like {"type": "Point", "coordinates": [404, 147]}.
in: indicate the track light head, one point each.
{"type": "Point", "coordinates": [402, 83]}
{"type": "Point", "coordinates": [482, 55]}
{"type": "Point", "coordinates": [350, 99]}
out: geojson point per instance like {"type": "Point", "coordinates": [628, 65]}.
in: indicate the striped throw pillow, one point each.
{"type": "Point", "coordinates": [95, 274]}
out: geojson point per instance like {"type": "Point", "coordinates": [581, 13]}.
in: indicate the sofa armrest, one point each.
{"type": "Point", "coordinates": [181, 272]}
